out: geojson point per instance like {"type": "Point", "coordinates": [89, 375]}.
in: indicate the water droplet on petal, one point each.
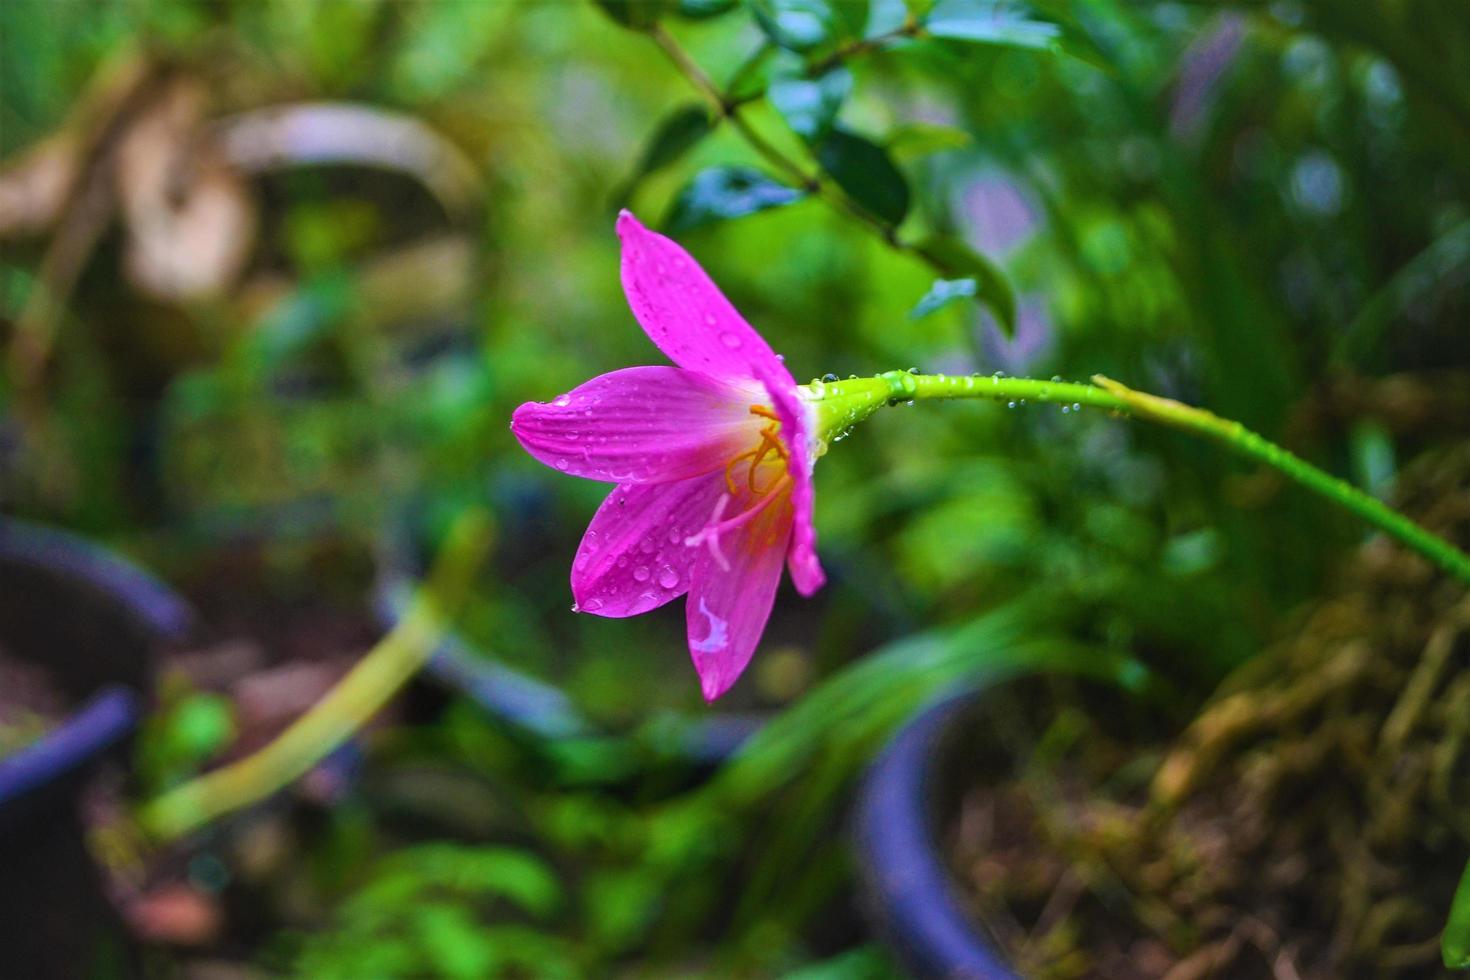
{"type": "Point", "coordinates": [640, 573]}
{"type": "Point", "coordinates": [563, 401]}
{"type": "Point", "coordinates": [646, 546]}
{"type": "Point", "coordinates": [709, 320]}
{"type": "Point", "coordinates": [593, 605]}
{"type": "Point", "coordinates": [730, 340]}
{"type": "Point", "coordinates": [667, 577]}
{"type": "Point", "coordinates": [622, 561]}
{"type": "Point", "coordinates": [563, 465]}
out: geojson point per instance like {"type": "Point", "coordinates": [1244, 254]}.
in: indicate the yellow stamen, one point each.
{"type": "Point", "coordinates": [769, 443]}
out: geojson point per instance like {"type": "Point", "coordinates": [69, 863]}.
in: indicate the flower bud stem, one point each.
{"type": "Point", "coordinates": [843, 403]}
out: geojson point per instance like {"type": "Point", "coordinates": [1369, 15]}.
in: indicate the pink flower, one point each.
{"type": "Point", "coordinates": [712, 461]}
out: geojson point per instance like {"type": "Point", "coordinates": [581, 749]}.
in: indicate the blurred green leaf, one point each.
{"type": "Point", "coordinates": [886, 17]}
{"type": "Point", "coordinates": [989, 22]}
{"type": "Point", "coordinates": [862, 963]}
{"type": "Point", "coordinates": [680, 132]}
{"type": "Point", "coordinates": [638, 15]}
{"type": "Point", "coordinates": [749, 81]}
{"type": "Point", "coordinates": [943, 293]}
{"type": "Point", "coordinates": [453, 941]}
{"type": "Point", "coordinates": [1455, 944]}
{"type": "Point", "coordinates": [1374, 468]}
{"type": "Point", "coordinates": [865, 172]}
{"type": "Point", "coordinates": [722, 193]}
{"type": "Point", "coordinates": [797, 25]}
{"type": "Point", "coordinates": [705, 9]}
{"type": "Point", "coordinates": [810, 105]}
{"type": "Point", "coordinates": [962, 261]}
{"type": "Point", "coordinates": [917, 139]}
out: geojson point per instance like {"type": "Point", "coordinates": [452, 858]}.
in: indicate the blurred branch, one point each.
{"type": "Point", "coordinates": [346, 708]}
{"type": "Point", "coordinates": [725, 108]}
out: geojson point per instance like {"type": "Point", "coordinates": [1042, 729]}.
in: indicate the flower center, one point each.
{"type": "Point", "coordinates": [770, 443]}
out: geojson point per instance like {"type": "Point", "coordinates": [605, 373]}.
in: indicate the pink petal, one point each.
{"type": "Point", "coordinates": [682, 310]}
{"type": "Point", "coordinates": [633, 557]}
{"type": "Point", "coordinates": [796, 432]}
{"type": "Point", "coordinates": [727, 609]}
{"type": "Point", "coordinates": [640, 425]}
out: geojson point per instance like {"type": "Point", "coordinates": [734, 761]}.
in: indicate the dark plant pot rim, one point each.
{"type": "Point", "coordinates": [112, 713]}
{"type": "Point", "coordinates": [903, 872]}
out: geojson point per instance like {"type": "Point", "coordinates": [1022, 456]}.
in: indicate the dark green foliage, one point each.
{"type": "Point", "coordinates": [810, 105]}
{"type": "Point", "coordinates": [636, 14]}
{"type": "Point", "coordinates": [680, 132]}
{"type": "Point", "coordinates": [991, 286]}
{"type": "Point", "coordinates": [722, 193]}
{"type": "Point", "coordinates": [866, 173]}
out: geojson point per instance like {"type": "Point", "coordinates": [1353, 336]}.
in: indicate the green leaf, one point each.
{"type": "Point", "coordinates": [916, 139]}
{"type": "Point", "coordinates": [943, 293]}
{"type": "Point", "coordinates": [722, 193]}
{"type": "Point", "coordinates": [886, 17]}
{"type": "Point", "coordinates": [993, 288]}
{"type": "Point", "coordinates": [1455, 943]}
{"type": "Point", "coordinates": [797, 25]}
{"type": "Point", "coordinates": [810, 105]}
{"type": "Point", "coordinates": [989, 22]}
{"type": "Point", "coordinates": [750, 80]}
{"type": "Point", "coordinates": [704, 9]}
{"type": "Point", "coordinates": [638, 15]}
{"type": "Point", "coordinates": [851, 18]}
{"type": "Point", "coordinates": [866, 173]}
{"type": "Point", "coordinates": [679, 133]}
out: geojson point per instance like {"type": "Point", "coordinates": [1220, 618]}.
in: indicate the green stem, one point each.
{"type": "Point", "coordinates": [345, 709]}
{"type": "Point", "coordinates": [843, 403]}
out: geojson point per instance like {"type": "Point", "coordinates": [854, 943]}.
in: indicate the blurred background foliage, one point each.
{"type": "Point", "coordinates": [274, 273]}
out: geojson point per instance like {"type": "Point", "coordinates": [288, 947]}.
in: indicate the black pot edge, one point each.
{"type": "Point", "coordinates": [155, 604]}
{"type": "Point", "coordinates": [904, 877]}
{"type": "Point", "coordinates": [104, 721]}
{"type": "Point", "coordinates": [112, 714]}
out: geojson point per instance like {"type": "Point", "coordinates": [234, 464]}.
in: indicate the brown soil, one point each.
{"type": "Point", "coordinates": [1311, 823]}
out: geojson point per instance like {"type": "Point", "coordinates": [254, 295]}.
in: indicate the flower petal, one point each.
{"type": "Point", "coordinates": [798, 433]}
{"type": "Point", "coordinates": [682, 310]}
{"type": "Point", "coordinates": [633, 557]}
{"type": "Point", "coordinates": [728, 607]}
{"type": "Point", "coordinates": [639, 425]}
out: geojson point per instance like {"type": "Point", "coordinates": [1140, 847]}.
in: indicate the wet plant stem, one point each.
{"type": "Point", "coordinates": [851, 400]}
{"type": "Point", "coordinates": [346, 708]}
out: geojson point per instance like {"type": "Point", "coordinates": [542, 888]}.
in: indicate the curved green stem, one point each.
{"type": "Point", "coordinates": [1455, 943]}
{"type": "Point", "coordinates": [346, 708]}
{"type": "Point", "coordinates": [843, 403]}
